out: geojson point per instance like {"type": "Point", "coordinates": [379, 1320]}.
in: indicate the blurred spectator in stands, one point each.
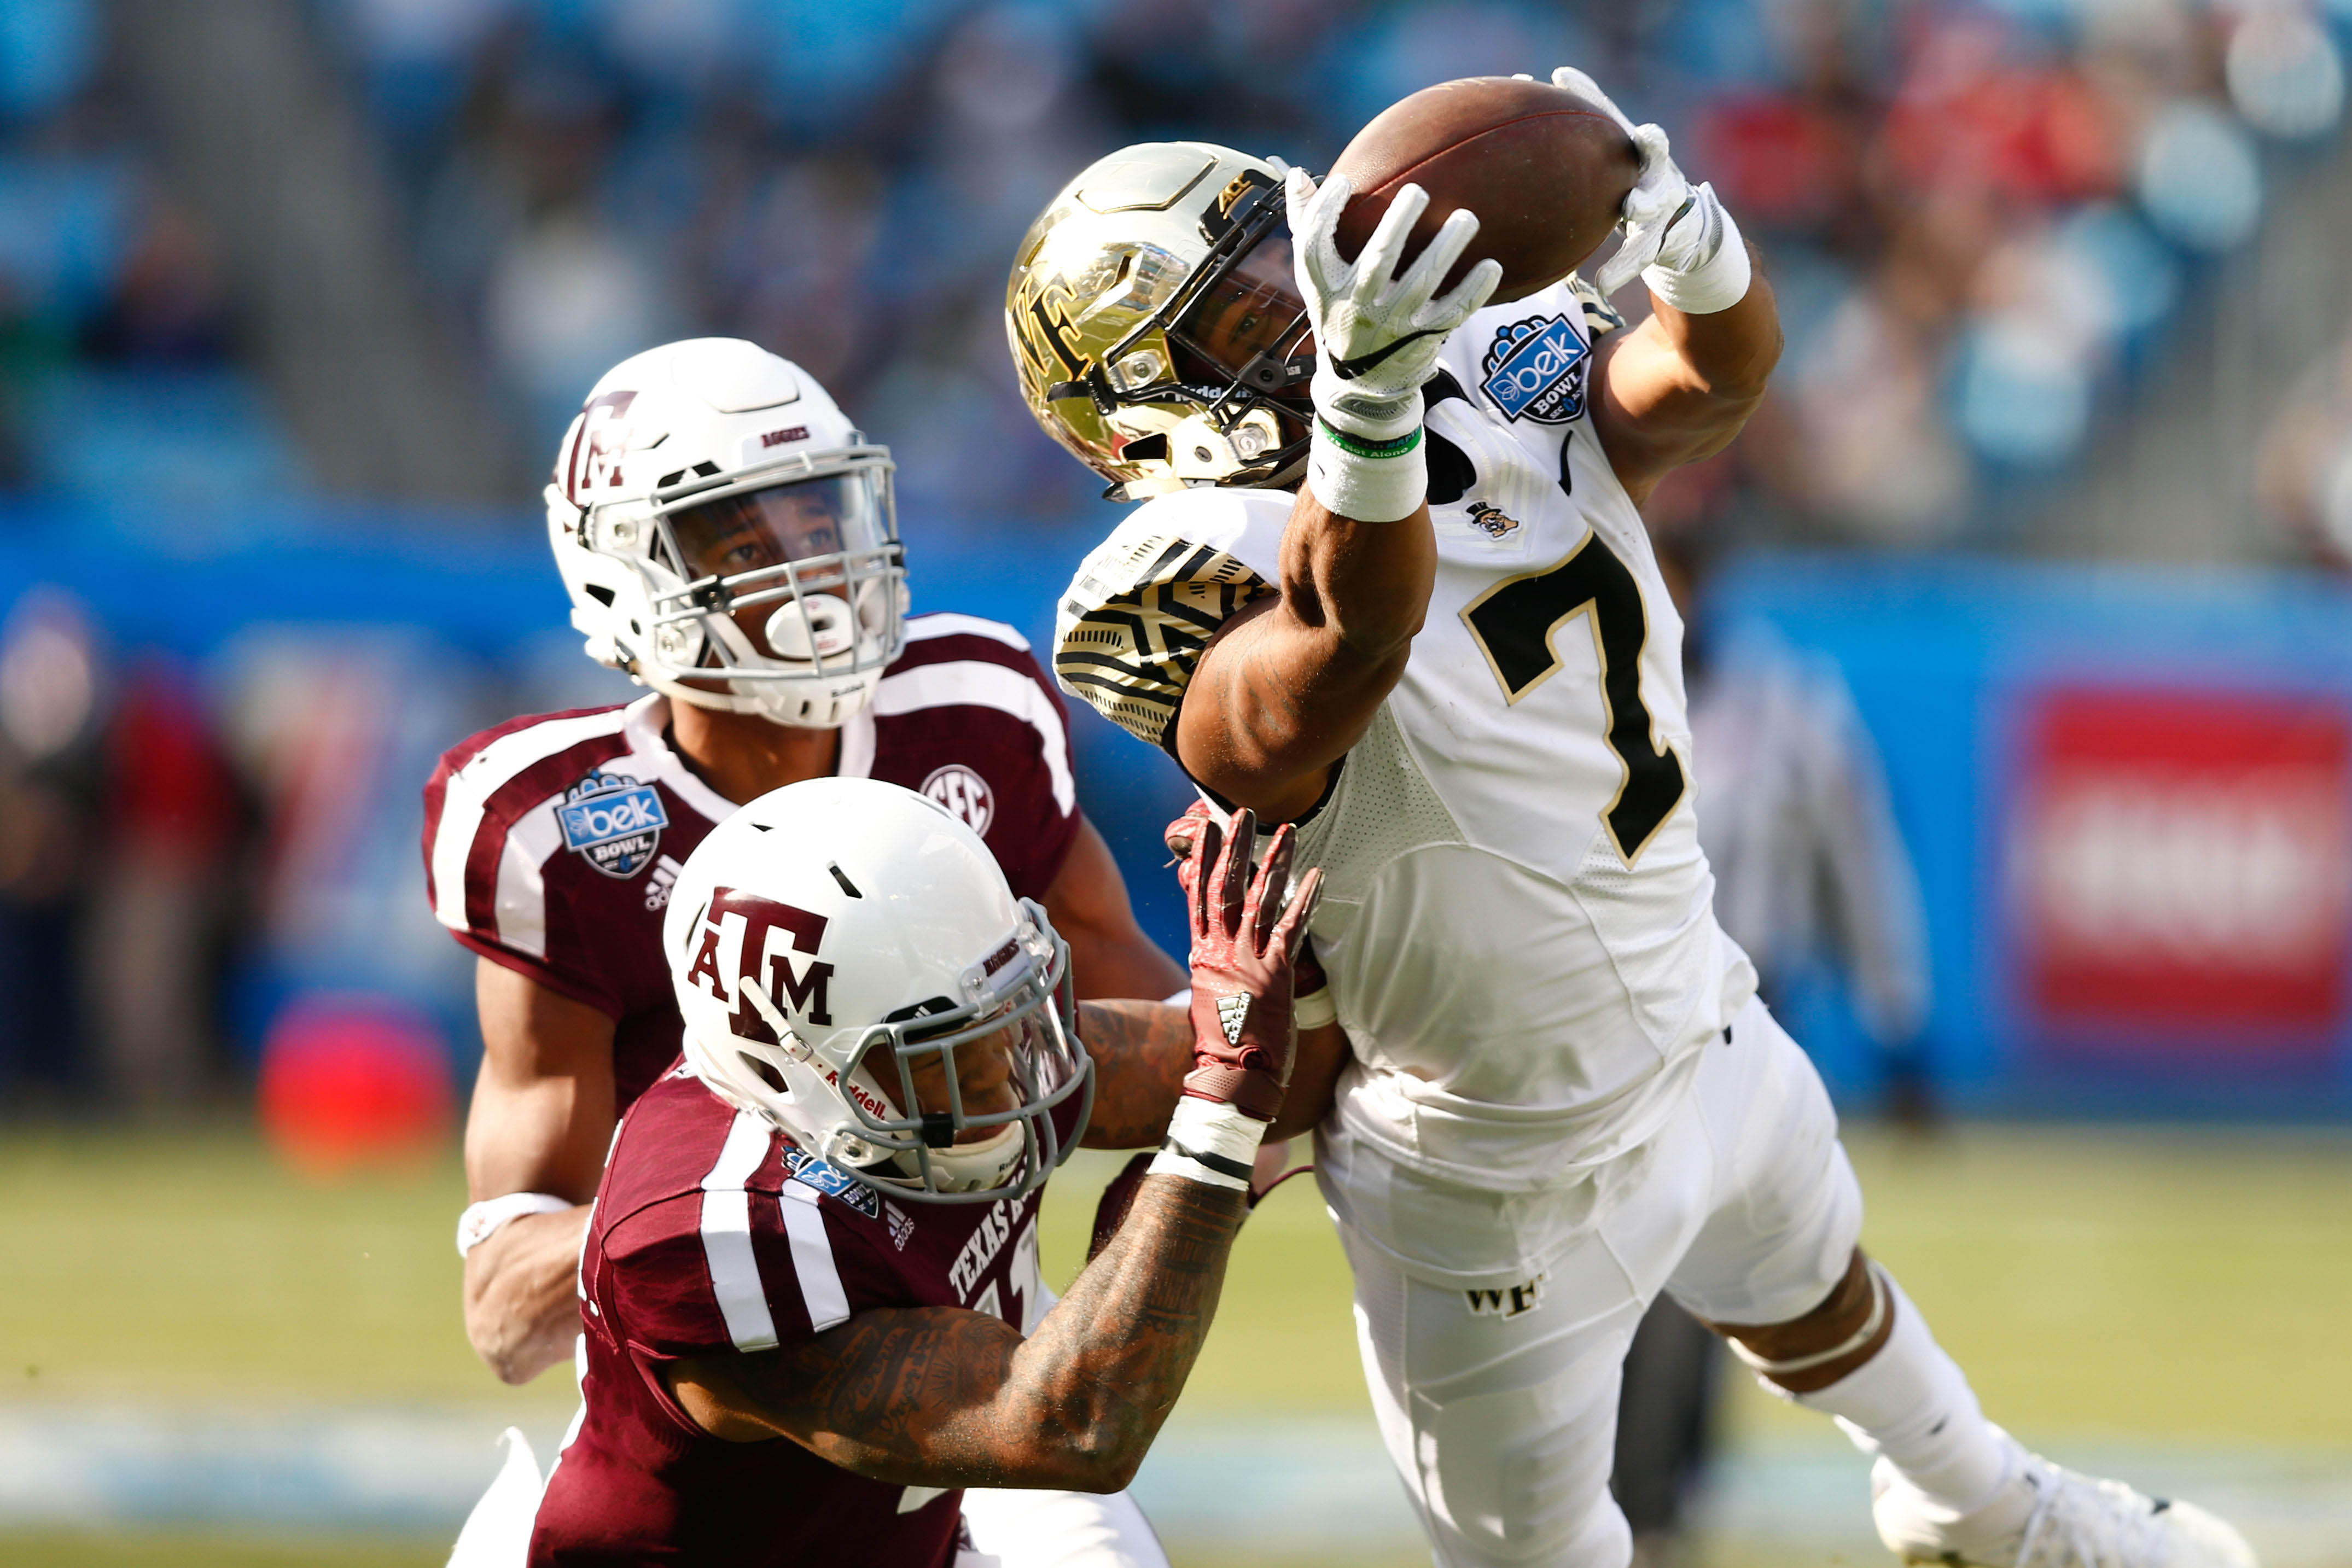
{"type": "Point", "coordinates": [571, 285]}
{"type": "Point", "coordinates": [51, 702]}
{"type": "Point", "coordinates": [2303, 468]}
{"type": "Point", "coordinates": [1809, 865]}
{"type": "Point", "coordinates": [1981, 219]}
{"type": "Point", "coordinates": [162, 896]}
{"type": "Point", "coordinates": [167, 305]}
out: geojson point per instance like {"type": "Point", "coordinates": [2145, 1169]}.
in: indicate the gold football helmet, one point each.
{"type": "Point", "coordinates": [1156, 326]}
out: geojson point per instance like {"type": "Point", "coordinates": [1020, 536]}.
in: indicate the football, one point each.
{"type": "Point", "coordinates": [1545, 171]}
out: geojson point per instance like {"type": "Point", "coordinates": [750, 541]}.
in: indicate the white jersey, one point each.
{"type": "Point", "coordinates": [1516, 911]}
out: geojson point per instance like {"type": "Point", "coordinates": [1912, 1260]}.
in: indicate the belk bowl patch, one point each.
{"type": "Point", "coordinates": [613, 822]}
{"type": "Point", "coordinates": [1536, 370]}
{"type": "Point", "coordinates": [835, 1183]}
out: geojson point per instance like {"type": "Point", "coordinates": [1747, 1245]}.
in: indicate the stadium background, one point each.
{"type": "Point", "coordinates": [296, 294]}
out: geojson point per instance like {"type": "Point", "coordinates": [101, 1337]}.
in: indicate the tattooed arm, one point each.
{"type": "Point", "coordinates": [1142, 1051]}
{"type": "Point", "coordinates": [942, 1397]}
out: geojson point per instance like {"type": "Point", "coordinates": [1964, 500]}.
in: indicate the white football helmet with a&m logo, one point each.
{"type": "Point", "coordinates": [727, 537]}
{"type": "Point", "coordinates": [836, 937]}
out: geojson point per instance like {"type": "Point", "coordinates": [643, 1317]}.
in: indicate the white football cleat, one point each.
{"type": "Point", "coordinates": [2046, 1516]}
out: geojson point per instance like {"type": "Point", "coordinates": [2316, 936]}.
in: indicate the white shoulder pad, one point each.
{"type": "Point", "coordinates": [1147, 600]}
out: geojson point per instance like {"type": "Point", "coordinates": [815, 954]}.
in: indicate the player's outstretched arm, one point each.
{"type": "Point", "coordinates": [942, 1397]}
{"type": "Point", "coordinates": [1282, 693]}
{"type": "Point", "coordinates": [541, 1122]}
{"type": "Point", "coordinates": [1288, 685]}
{"type": "Point", "coordinates": [1680, 386]}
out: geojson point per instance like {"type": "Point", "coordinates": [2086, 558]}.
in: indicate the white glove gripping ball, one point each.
{"type": "Point", "coordinates": [1377, 334]}
{"type": "Point", "coordinates": [1678, 237]}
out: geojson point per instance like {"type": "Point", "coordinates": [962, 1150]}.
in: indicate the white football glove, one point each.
{"type": "Point", "coordinates": [1673, 232]}
{"type": "Point", "coordinates": [1377, 335]}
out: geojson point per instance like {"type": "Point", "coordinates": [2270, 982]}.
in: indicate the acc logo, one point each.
{"type": "Point", "coordinates": [1536, 370]}
{"type": "Point", "coordinates": [613, 821]}
{"type": "Point", "coordinates": [809, 1171]}
{"type": "Point", "coordinates": [965, 793]}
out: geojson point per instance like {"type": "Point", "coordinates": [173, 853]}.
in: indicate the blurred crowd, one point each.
{"type": "Point", "coordinates": [121, 374]}
{"type": "Point", "coordinates": [122, 831]}
{"type": "Point", "coordinates": [1984, 219]}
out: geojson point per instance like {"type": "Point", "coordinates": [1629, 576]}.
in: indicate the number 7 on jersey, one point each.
{"type": "Point", "coordinates": [1512, 622]}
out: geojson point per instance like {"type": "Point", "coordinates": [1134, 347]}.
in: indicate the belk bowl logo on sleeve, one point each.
{"type": "Point", "coordinates": [1536, 370]}
{"type": "Point", "coordinates": [810, 1171]}
{"type": "Point", "coordinates": [613, 821]}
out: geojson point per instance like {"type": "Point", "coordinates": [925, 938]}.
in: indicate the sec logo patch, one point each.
{"type": "Point", "coordinates": [965, 793]}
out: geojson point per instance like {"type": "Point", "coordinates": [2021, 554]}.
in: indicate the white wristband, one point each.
{"type": "Point", "coordinates": [1182, 999]}
{"type": "Point", "coordinates": [1369, 489]}
{"type": "Point", "coordinates": [486, 1219]}
{"type": "Point", "coordinates": [1716, 280]}
{"type": "Point", "coordinates": [1209, 1141]}
{"type": "Point", "coordinates": [1314, 1010]}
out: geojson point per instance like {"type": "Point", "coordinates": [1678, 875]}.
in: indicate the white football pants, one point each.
{"type": "Point", "coordinates": [1498, 1406]}
{"type": "Point", "coordinates": [1057, 1529]}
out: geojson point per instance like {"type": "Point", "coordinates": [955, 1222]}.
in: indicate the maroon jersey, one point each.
{"type": "Point", "coordinates": [551, 842]}
{"type": "Point", "coordinates": [713, 1234]}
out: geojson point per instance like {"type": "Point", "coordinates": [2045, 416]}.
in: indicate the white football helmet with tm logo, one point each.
{"type": "Point", "coordinates": [728, 538]}
{"type": "Point", "coordinates": [836, 938]}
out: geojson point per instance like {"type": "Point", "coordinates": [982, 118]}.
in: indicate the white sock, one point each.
{"type": "Point", "coordinates": [1912, 1404]}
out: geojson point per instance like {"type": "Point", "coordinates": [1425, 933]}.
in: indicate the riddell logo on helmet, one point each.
{"type": "Point", "coordinates": [802, 993]}
{"type": "Point", "coordinates": [778, 437]}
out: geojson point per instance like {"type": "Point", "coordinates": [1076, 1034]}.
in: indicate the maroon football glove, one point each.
{"type": "Point", "coordinates": [1245, 942]}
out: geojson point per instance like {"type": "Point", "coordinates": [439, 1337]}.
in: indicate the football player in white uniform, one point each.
{"type": "Point", "coordinates": [1448, 658]}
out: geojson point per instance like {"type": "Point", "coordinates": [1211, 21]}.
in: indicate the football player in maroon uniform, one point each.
{"type": "Point", "coordinates": [821, 1227]}
{"type": "Point", "coordinates": [728, 540]}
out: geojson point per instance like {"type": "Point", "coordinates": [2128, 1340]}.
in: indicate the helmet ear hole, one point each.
{"type": "Point", "coordinates": [765, 1071]}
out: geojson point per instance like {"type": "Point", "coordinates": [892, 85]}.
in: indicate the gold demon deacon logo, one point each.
{"type": "Point", "coordinates": [1043, 335]}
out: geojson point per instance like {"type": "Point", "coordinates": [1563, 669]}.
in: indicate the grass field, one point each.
{"type": "Point", "coordinates": [2148, 1284]}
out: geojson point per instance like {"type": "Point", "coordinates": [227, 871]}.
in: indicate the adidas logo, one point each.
{"type": "Point", "coordinates": [1230, 1011]}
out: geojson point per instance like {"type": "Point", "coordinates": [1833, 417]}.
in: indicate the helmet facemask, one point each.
{"type": "Point", "coordinates": [781, 593]}
{"type": "Point", "coordinates": [1209, 385]}
{"type": "Point", "coordinates": [1017, 1000]}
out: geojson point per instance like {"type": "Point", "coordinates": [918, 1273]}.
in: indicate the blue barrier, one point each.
{"type": "Point", "coordinates": [1991, 688]}
{"type": "Point", "coordinates": [1958, 668]}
